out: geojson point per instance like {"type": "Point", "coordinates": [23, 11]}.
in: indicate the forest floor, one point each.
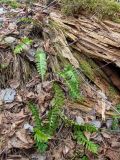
{"type": "Point", "coordinates": [21, 83]}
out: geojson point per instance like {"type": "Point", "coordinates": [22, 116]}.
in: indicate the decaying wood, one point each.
{"type": "Point", "coordinates": [85, 40]}
{"type": "Point", "coordinates": [94, 38]}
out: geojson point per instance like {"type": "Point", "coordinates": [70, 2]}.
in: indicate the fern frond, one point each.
{"type": "Point", "coordinates": [41, 63]}
{"type": "Point", "coordinates": [54, 114]}
{"type": "Point", "coordinates": [84, 158]}
{"type": "Point", "coordinates": [25, 20]}
{"type": "Point", "coordinates": [53, 118]}
{"type": "Point", "coordinates": [40, 136]}
{"type": "Point", "coordinates": [86, 127]}
{"type": "Point", "coordinates": [84, 141]}
{"type": "Point", "coordinates": [35, 114]}
{"type": "Point", "coordinates": [78, 133]}
{"type": "Point", "coordinates": [21, 46]}
{"type": "Point", "coordinates": [41, 146]}
{"type": "Point", "coordinates": [41, 139]}
{"type": "Point", "coordinates": [71, 79]}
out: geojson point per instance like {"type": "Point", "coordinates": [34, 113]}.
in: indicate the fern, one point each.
{"type": "Point", "coordinates": [84, 158]}
{"type": "Point", "coordinates": [54, 114]}
{"type": "Point", "coordinates": [71, 79]}
{"type": "Point", "coordinates": [41, 139]}
{"type": "Point", "coordinates": [42, 133]}
{"type": "Point", "coordinates": [40, 136]}
{"type": "Point", "coordinates": [78, 133]}
{"type": "Point", "coordinates": [21, 46]}
{"type": "Point", "coordinates": [86, 127]}
{"type": "Point", "coordinates": [41, 63]}
{"type": "Point", "coordinates": [84, 141]}
{"type": "Point", "coordinates": [35, 114]}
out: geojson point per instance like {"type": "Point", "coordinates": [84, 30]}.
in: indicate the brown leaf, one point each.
{"type": "Point", "coordinates": [22, 135]}
{"type": "Point", "coordinates": [113, 155]}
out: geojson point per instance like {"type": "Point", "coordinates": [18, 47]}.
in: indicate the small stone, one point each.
{"type": "Point", "coordinates": [9, 40]}
{"type": "Point", "coordinates": [2, 11]}
{"type": "Point", "coordinates": [80, 120]}
{"type": "Point", "coordinates": [1, 20]}
{"type": "Point", "coordinates": [96, 123]}
{"type": "Point", "coordinates": [38, 157]}
{"type": "Point", "coordinates": [29, 127]}
{"type": "Point", "coordinates": [9, 95]}
{"type": "Point", "coordinates": [109, 123]}
{"type": "Point", "coordinates": [30, 54]}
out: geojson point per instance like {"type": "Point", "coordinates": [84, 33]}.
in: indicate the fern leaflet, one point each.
{"type": "Point", "coordinates": [84, 141]}
{"type": "Point", "coordinates": [40, 137]}
{"type": "Point", "coordinates": [41, 63]}
{"type": "Point", "coordinates": [57, 103]}
{"type": "Point", "coordinates": [35, 113]}
{"type": "Point", "coordinates": [70, 77]}
{"type": "Point", "coordinates": [21, 46]}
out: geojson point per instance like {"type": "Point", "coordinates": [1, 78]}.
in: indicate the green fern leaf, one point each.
{"type": "Point", "coordinates": [84, 158]}
{"type": "Point", "coordinates": [41, 146]}
{"type": "Point", "coordinates": [71, 79]}
{"type": "Point", "coordinates": [40, 136]}
{"type": "Point", "coordinates": [86, 127]}
{"type": "Point", "coordinates": [57, 104]}
{"type": "Point", "coordinates": [41, 139]}
{"type": "Point", "coordinates": [35, 113]}
{"type": "Point", "coordinates": [41, 63]}
{"type": "Point", "coordinates": [21, 46]}
{"type": "Point", "coordinates": [84, 141]}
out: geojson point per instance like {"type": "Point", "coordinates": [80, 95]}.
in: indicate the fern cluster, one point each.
{"type": "Point", "coordinates": [71, 79]}
{"type": "Point", "coordinates": [22, 45]}
{"type": "Point", "coordinates": [44, 132]}
{"type": "Point", "coordinates": [79, 136]}
{"type": "Point", "coordinates": [78, 131]}
{"type": "Point", "coordinates": [41, 63]}
{"type": "Point", "coordinates": [40, 137]}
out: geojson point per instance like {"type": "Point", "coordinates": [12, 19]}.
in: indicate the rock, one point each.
{"type": "Point", "coordinates": [2, 11]}
{"type": "Point", "coordinates": [80, 120]}
{"type": "Point", "coordinates": [96, 123]}
{"type": "Point", "coordinates": [30, 54]}
{"type": "Point", "coordinates": [9, 40]}
{"type": "Point", "coordinates": [1, 21]}
{"type": "Point", "coordinates": [38, 157]}
{"type": "Point", "coordinates": [27, 126]}
{"type": "Point", "coordinates": [109, 123]}
{"type": "Point", "coordinates": [7, 95]}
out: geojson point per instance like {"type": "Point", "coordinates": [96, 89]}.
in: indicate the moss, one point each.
{"type": "Point", "coordinates": [101, 8]}
{"type": "Point", "coordinates": [117, 20]}
{"type": "Point", "coordinates": [87, 69]}
{"type": "Point", "coordinates": [112, 91]}
{"type": "Point", "coordinates": [13, 3]}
